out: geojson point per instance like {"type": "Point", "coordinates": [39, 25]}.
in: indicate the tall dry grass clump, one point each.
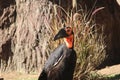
{"type": "Point", "coordinates": [90, 48]}
{"type": "Point", "coordinates": [89, 45]}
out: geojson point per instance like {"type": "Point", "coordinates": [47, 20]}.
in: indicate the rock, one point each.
{"type": "Point", "coordinates": [23, 35]}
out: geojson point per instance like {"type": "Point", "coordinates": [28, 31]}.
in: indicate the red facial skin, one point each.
{"type": "Point", "coordinates": [70, 39]}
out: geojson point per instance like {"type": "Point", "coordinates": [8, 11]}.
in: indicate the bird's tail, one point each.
{"type": "Point", "coordinates": [43, 76]}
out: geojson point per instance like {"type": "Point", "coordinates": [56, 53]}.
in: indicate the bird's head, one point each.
{"type": "Point", "coordinates": [64, 33]}
{"type": "Point", "coordinates": [67, 34]}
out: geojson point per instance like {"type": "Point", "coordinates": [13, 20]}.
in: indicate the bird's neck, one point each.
{"type": "Point", "coordinates": [69, 41]}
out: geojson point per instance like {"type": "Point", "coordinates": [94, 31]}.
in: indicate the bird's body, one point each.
{"type": "Point", "coordinates": [60, 64]}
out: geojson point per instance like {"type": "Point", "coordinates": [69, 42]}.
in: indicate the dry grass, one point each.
{"type": "Point", "coordinates": [90, 49]}
{"type": "Point", "coordinates": [89, 45]}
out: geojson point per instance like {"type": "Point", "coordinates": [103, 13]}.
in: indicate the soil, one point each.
{"type": "Point", "coordinates": [18, 76]}
{"type": "Point", "coordinates": [111, 70]}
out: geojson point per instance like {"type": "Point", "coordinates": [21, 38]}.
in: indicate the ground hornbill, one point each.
{"type": "Point", "coordinates": [61, 63]}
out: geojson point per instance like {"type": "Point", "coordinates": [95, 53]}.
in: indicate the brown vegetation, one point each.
{"type": "Point", "coordinates": [27, 28]}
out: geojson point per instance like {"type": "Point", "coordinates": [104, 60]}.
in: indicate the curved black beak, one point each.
{"type": "Point", "coordinates": [61, 34]}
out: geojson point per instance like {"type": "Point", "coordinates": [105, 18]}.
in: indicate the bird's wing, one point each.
{"type": "Point", "coordinates": [54, 58]}
{"type": "Point", "coordinates": [58, 60]}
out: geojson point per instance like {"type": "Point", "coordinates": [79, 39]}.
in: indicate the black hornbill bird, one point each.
{"type": "Point", "coordinates": [61, 63]}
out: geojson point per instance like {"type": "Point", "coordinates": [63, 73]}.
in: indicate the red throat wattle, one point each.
{"type": "Point", "coordinates": [69, 41]}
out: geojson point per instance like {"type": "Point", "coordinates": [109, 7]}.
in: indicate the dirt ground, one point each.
{"type": "Point", "coordinates": [111, 70]}
{"type": "Point", "coordinates": [18, 76]}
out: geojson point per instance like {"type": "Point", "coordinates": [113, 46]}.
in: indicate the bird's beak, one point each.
{"type": "Point", "coordinates": [60, 34]}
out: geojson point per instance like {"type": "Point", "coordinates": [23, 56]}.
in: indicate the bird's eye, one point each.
{"type": "Point", "coordinates": [68, 30]}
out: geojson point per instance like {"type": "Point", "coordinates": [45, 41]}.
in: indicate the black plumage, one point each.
{"type": "Point", "coordinates": [61, 63]}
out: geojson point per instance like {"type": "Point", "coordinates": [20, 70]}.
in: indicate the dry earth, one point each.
{"type": "Point", "coordinates": [111, 70]}
{"type": "Point", "coordinates": [18, 76]}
